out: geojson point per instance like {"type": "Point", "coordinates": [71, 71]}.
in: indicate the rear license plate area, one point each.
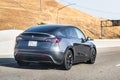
{"type": "Point", "coordinates": [32, 43]}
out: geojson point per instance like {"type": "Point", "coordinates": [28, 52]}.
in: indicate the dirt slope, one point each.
{"type": "Point", "coordinates": [22, 14]}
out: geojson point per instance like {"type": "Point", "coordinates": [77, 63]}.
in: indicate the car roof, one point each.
{"type": "Point", "coordinates": [53, 25]}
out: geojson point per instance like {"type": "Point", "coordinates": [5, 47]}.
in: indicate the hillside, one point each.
{"type": "Point", "coordinates": [22, 14]}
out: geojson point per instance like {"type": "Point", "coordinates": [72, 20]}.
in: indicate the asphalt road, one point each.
{"type": "Point", "coordinates": [107, 67]}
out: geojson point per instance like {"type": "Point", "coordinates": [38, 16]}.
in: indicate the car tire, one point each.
{"type": "Point", "coordinates": [21, 63]}
{"type": "Point", "coordinates": [93, 57]}
{"type": "Point", "coordinates": [68, 60]}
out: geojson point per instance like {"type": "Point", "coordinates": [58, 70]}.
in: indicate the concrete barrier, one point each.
{"type": "Point", "coordinates": [7, 41]}
{"type": "Point", "coordinates": [101, 43]}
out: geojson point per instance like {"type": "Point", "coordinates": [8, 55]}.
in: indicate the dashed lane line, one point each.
{"type": "Point", "coordinates": [118, 65]}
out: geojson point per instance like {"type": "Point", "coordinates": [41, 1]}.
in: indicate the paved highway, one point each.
{"type": "Point", "coordinates": [107, 67]}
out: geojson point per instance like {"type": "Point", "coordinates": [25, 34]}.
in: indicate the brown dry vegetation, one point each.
{"type": "Point", "coordinates": [22, 14]}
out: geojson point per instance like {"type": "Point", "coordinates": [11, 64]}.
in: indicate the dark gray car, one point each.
{"type": "Point", "coordinates": [58, 44]}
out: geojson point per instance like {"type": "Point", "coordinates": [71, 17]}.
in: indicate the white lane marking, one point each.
{"type": "Point", "coordinates": [118, 65]}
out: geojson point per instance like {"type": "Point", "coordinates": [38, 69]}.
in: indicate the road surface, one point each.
{"type": "Point", "coordinates": [107, 67]}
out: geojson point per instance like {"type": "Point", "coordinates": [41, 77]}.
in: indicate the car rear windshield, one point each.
{"type": "Point", "coordinates": [43, 29]}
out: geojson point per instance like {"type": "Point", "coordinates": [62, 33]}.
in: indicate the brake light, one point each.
{"type": "Point", "coordinates": [56, 40]}
{"type": "Point", "coordinates": [17, 39]}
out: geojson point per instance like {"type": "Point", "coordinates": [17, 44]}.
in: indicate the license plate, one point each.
{"type": "Point", "coordinates": [32, 43]}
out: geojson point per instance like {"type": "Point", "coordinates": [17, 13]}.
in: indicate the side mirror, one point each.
{"type": "Point", "coordinates": [89, 39]}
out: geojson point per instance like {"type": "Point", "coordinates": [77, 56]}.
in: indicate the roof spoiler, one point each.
{"type": "Point", "coordinates": [37, 33]}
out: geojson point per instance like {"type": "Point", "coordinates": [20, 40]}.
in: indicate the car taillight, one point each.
{"type": "Point", "coordinates": [56, 40]}
{"type": "Point", "coordinates": [17, 39]}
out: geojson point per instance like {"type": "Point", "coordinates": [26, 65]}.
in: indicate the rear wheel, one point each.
{"type": "Point", "coordinates": [21, 63]}
{"type": "Point", "coordinates": [93, 57]}
{"type": "Point", "coordinates": [68, 60]}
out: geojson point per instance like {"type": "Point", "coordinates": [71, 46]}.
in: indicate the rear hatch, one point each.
{"type": "Point", "coordinates": [35, 41]}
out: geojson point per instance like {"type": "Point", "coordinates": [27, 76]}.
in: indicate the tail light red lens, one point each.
{"type": "Point", "coordinates": [56, 40]}
{"type": "Point", "coordinates": [17, 39]}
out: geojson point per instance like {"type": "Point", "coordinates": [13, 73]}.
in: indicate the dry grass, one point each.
{"type": "Point", "coordinates": [22, 14]}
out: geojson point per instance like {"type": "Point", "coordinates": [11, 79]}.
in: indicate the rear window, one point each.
{"type": "Point", "coordinates": [43, 29]}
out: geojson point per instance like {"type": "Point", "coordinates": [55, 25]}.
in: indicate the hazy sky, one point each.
{"type": "Point", "coordinates": [109, 9]}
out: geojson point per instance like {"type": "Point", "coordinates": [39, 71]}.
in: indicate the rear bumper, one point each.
{"type": "Point", "coordinates": [39, 57]}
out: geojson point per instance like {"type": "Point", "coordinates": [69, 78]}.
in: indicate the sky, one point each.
{"type": "Point", "coordinates": [108, 9]}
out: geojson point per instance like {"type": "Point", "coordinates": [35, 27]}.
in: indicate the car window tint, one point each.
{"type": "Point", "coordinates": [79, 33]}
{"type": "Point", "coordinates": [60, 33]}
{"type": "Point", "coordinates": [71, 33]}
{"type": "Point", "coordinates": [42, 29]}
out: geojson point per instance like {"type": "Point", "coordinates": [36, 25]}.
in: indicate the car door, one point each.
{"type": "Point", "coordinates": [82, 48]}
{"type": "Point", "coordinates": [72, 38]}
{"type": "Point", "coordinates": [76, 42]}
